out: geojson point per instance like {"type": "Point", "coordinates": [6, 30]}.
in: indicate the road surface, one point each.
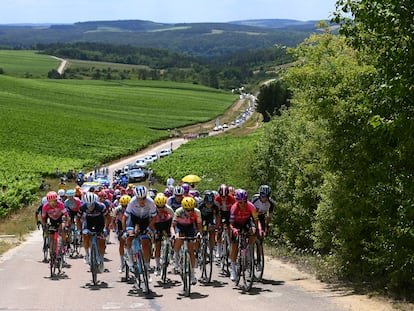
{"type": "Point", "coordinates": [26, 285]}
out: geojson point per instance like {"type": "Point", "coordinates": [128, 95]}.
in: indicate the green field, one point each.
{"type": "Point", "coordinates": [76, 124]}
{"type": "Point", "coordinates": [26, 63]}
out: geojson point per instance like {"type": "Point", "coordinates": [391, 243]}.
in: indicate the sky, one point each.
{"type": "Point", "coordinates": [163, 11]}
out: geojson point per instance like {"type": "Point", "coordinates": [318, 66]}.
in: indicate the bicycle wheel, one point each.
{"type": "Point", "coordinates": [144, 272]}
{"type": "Point", "coordinates": [52, 259]}
{"type": "Point", "coordinates": [207, 261]}
{"type": "Point", "coordinates": [45, 247]}
{"type": "Point", "coordinates": [165, 260]}
{"type": "Point", "coordinates": [225, 254]}
{"type": "Point", "coordinates": [94, 264]}
{"type": "Point", "coordinates": [259, 263]}
{"type": "Point", "coordinates": [126, 266]}
{"type": "Point", "coordinates": [248, 275]}
{"type": "Point", "coordinates": [186, 273]}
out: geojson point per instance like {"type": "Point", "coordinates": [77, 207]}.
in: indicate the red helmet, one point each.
{"type": "Point", "coordinates": [223, 190]}
{"type": "Point", "coordinates": [51, 196]}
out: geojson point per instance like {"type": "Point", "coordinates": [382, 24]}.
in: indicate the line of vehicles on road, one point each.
{"type": "Point", "coordinates": [138, 171]}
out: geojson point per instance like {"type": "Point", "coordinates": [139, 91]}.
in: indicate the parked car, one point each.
{"type": "Point", "coordinates": [136, 175]}
{"type": "Point", "coordinates": [148, 159]}
{"type": "Point", "coordinates": [164, 152]}
{"type": "Point", "coordinates": [141, 162]}
{"type": "Point", "coordinates": [154, 156]}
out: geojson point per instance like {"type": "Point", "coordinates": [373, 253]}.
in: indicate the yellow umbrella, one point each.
{"type": "Point", "coordinates": [191, 178]}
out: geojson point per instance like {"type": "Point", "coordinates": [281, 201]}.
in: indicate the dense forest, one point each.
{"type": "Point", "coordinates": [225, 72]}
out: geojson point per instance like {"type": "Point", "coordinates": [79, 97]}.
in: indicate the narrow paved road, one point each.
{"type": "Point", "coordinates": [26, 285]}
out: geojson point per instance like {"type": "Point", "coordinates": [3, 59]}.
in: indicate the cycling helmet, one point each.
{"type": "Point", "coordinates": [90, 198]}
{"type": "Point", "coordinates": [223, 190]}
{"type": "Point", "coordinates": [70, 193]}
{"type": "Point", "coordinates": [232, 191]}
{"type": "Point", "coordinates": [51, 196]}
{"type": "Point", "coordinates": [102, 194]}
{"type": "Point", "coordinates": [160, 200]}
{"type": "Point", "coordinates": [124, 200]}
{"type": "Point", "coordinates": [167, 192]}
{"type": "Point", "coordinates": [140, 192]}
{"type": "Point", "coordinates": [178, 190]}
{"type": "Point", "coordinates": [209, 197]}
{"type": "Point", "coordinates": [186, 187]}
{"type": "Point", "coordinates": [188, 203]}
{"type": "Point", "coordinates": [241, 194]}
{"type": "Point", "coordinates": [265, 191]}
{"type": "Point", "coordinates": [61, 192]}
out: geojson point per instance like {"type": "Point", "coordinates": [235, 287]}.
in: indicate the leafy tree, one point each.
{"type": "Point", "coordinates": [272, 97]}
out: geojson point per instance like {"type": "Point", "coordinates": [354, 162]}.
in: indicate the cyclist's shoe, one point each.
{"type": "Point", "coordinates": [218, 251]}
{"type": "Point", "coordinates": [193, 279]}
{"type": "Point", "coordinates": [86, 259]}
{"type": "Point", "coordinates": [233, 274]}
{"type": "Point", "coordinates": [157, 271]}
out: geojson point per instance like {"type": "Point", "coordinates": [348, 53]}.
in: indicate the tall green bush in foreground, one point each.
{"type": "Point", "coordinates": [340, 159]}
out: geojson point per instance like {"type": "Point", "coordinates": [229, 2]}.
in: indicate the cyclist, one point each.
{"type": "Point", "coordinates": [186, 220]}
{"type": "Point", "coordinates": [186, 188]}
{"type": "Point", "coordinates": [72, 205]}
{"type": "Point", "coordinates": [174, 201]}
{"type": "Point", "coordinates": [264, 206]}
{"type": "Point", "coordinates": [137, 218]}
{"type": "Point", "coordinates": [94, 220]}
{"type": "Point", "coordinates": [210, 215]}
{"type": "Point", "coordinates": [162, 224]}
{"type": "Point", "coordinates": [224, 200]}
{"type": "Point", "coordinates": [103, 198]}
{"type": "Point", "coordinates": [118, 214]}
{"type": "Point", "coordinates": [243, 215]}
{"type": "Point", "coordinates": [54, 210]}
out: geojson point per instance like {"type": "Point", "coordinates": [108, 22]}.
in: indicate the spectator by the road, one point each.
{"type": "Point", "coordinates": [170, 181]}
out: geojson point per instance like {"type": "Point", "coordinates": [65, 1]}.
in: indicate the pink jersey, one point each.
{"type": "Point", "coordinates": [241, 215]}
{"type": "Point", "coordinates": [54, 212]}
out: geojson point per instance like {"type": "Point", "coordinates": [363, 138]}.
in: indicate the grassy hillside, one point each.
{"type": "Point", "coordinates": [76, 124]}
{"type": "Point", "coordinates": [26, 63]}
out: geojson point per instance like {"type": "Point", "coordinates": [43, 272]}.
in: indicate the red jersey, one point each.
{"type": "Point", "coordinates": [225, 205]}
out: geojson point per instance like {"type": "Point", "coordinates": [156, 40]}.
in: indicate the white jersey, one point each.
{"type": "Point", "coordinates": [148, 210]}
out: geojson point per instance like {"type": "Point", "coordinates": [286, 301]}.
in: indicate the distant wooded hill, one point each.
{"type": "Point", "coordinates": [205, 40]}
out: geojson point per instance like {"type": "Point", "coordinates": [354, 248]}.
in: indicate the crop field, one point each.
{"type": "Point", "coordinates": [24, 63]}
{"type": "Point", "coordinates": [216, 159]}
{"type": "Point", "coordinates": [76, 124]}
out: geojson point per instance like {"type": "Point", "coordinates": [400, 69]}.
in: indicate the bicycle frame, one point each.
{"type": "Point", "coordinates": [139, 268]}
{"type": "Point", "coordinates": [95, 257]}
{"type": "Point", "coordinates": [225, 252]}
{"type": "Point", "coordinates": [245, 265]}
{"type": "Point", "coordinates": [55, 253]}
{"type": "Point", "coordinates": [165, 257]}
{"type": "Point", "coordinates": [185, 265]}
{"type": "Point", "coordinates": [206, 257]}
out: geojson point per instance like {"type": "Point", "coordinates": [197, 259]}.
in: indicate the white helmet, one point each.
{"type": "Point", "coordinates": [140, 192]}
{"type": "Point", "coordinates": [90, 197]}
